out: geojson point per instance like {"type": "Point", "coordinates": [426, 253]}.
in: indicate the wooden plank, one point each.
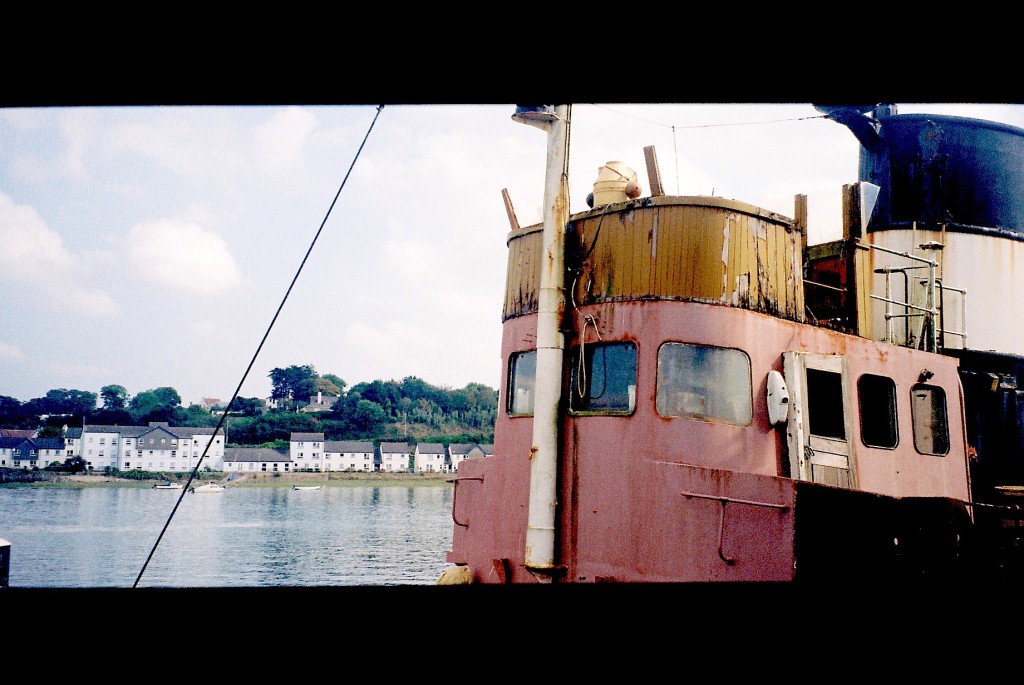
{"type": "Point", "coordinates": [653, 173]}
{"type": "Point", "coordinates": [800, 219]}
{"type": "Point", "coordinates": [851, 211]}
{"type": "Point", "coordinates": [643, 227]}
{"type": "Point", "coordinates": [659, 226]}
{"type": "Point", "coordinates": [512, 220]}
{"type": "Point", "coordinates": [683, 224]}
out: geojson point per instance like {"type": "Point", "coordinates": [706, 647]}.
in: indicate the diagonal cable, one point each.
{"type": "Point", "coordinates": [227, 411]}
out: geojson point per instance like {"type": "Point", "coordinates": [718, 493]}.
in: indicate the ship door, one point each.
{"type": "Point", "coordinates": [820, 433]}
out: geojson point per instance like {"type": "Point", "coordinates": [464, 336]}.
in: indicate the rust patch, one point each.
{"type": "Point", "coordinates": [502, 569]}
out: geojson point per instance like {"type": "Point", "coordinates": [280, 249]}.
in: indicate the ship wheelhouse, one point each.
{"type": "Point", "coordinates": [710, 393]}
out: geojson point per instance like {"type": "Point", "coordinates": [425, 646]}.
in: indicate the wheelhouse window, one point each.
{"type": "Point", "coordinates": [603, 379]}
{"type": "Point", "coordinates": [931, 425]}
{"type": "Point", "coordinates": [522, 383]}
{"type": "Point", "coordinates": [877, 398]}
{"type": "Point", "coordinates": [704, 382]}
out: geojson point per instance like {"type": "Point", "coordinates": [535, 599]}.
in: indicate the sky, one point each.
{"type": "Point", "coordinates": [152, 246]}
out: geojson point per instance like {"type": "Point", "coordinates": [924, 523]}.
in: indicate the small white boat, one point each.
{"type": "Point", "coordinates": [305, 487]}
{"type": "Point", "coordinates": [209, 487]}
{"type": "Point", "coordinates": [167, 486]}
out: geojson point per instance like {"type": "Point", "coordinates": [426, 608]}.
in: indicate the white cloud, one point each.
{"type": "Point", "coordinates": [10, 351]}
{"type": "Point", "coordinates": [31, 250]}
{"type": "Point", "coordinates": [182, 255]}
{"type": "Point", "coordinates": [79, 132]}
{"type": "Point", "coordinates": [282, 139]}
{"type": "Point", "coordinates": [34, 257]}
{"type": "Point", "coordinates": [90, 301]}
{"type": "Point", "coordinates": [411, 257]}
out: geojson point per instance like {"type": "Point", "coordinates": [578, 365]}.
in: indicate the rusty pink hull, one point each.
{"type": "Point", "coordinates": [647, 498]}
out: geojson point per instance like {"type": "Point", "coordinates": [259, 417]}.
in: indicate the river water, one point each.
{"type": "Point", "coordinates": [246, 537]}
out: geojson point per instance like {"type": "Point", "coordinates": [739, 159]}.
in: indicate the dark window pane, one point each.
{"type": "Point", "coordinates": [522, 381]}
{"type": "Point", "coordinates": [931, 427]}
{"type": "Point", "coordinates": [877, 397]}
{"type": "Point", "coordinates": [704, 382]}
{"type": "Point", "coordinates": [605, 381]}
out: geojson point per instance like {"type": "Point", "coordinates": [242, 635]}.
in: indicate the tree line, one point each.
{"type": "Point", "coordinates": [410, 409]}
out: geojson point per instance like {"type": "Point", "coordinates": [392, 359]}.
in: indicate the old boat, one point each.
{"type": "Point", "coordinates": [169, 485]}
{"type": "Point", "coordinates": [692, 393]}
{"type": "Point", "coordinates": [208, 488]}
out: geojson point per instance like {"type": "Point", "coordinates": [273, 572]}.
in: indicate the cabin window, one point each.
{"type": "Point", "coordinates": [931, 427]}
{"type": "Point", "coordinates": [825, 404]}
{"type": "Point", "coordinates": [522, 383]}
{"type": "Point", "coordinates": [877, 397]}
{"type": "Point", "coordinates": [704, 382]}
{"type": "Point", "coordinates": [603, 378]}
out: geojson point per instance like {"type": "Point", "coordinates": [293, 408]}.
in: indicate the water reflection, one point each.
{"type": "Point", "coordinates": [244, 537]}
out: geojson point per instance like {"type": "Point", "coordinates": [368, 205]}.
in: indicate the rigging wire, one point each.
{"type": "Point", "coordinates": [738, 123]}
{"type": "Point", "coordinates": [227, 410]}
{"type": "Point", "coordinates": [675, 153]}
{"type": "Point", "coordinates": [676, 128]}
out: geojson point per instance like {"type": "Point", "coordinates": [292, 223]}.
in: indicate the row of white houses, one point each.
{"type": "Point", "coordinates": [310, 452]}
{"type": "Point", "coordinates": [161, 447]}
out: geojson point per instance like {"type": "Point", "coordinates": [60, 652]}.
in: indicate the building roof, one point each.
{"type": "Point", "coordinates": [180, 432]}
{"type": "Point", "coordinates": [191, 431]}
{"type": "Point", "coordinates": [392, 447]}
{"type": "Point", "coordinates": [47, 443]}
{"type": "Point", "coordinates": [255, 454]}
{"type": "Point", "coordinates": [25, 445]}
{"type": "Point", "coordinates": [348, 446]}
{"type": "Point", "coordinates": [460, 447]}
{"type": "Point", "coordinates": [430, 448]}
{"type": "Point", "coordinates": [326, 403]}
{"type": "Point", "coordinates": [110, 429]}
{"type": "Point", "coordinates": [16, 433]}
{"type": "Point", "coordinates": [72, 433]}
{"type": "Point", "coordinates": [307, 437]}
{"type": "Point", "coordinates": [8, 442]}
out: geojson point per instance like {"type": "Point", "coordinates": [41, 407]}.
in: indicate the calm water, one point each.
{"type": "Point", "coordinates": [243, 537]}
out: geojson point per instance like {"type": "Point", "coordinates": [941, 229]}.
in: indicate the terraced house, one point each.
{"type": "Point", "coordinates": [156, 447]}
{"type": "Point", "coordinates": [430, 457]}
{"type": "Point", "coordinates": [307, 451]}
{"type": "Point", "coordinates": [350, 455]}
{"type": "Point", "coordinates": [30, 453]}
{"type": "Point", "coordinates": [395, 456]}
{"type": "Point", "coordinates": [256, 460]}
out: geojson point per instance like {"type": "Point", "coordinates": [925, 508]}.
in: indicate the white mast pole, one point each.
{"type": "Point", "coordinates": [540, 530]}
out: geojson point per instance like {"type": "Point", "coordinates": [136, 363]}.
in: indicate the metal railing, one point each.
{"type": "Point", "coordinates": [931, 333]}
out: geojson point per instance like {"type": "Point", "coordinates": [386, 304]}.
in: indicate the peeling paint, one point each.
{"type": "Point", "coordinates": [725, 255]}
{"type": "Point", "coordinates": [654, 237]}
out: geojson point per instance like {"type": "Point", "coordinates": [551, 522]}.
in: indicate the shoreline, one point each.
{"type": "Point", "coordinates": [245, 480]}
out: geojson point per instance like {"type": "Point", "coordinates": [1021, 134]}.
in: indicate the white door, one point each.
{"type": "Point", "coordinates": [820, 432]}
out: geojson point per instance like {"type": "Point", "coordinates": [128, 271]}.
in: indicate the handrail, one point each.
{"type": "Point", "coordinates": [932, 312]}
{"type": "Point", "coordinates": [455, 491]}
{"type": "Point", "coordinates": [721, 518]}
